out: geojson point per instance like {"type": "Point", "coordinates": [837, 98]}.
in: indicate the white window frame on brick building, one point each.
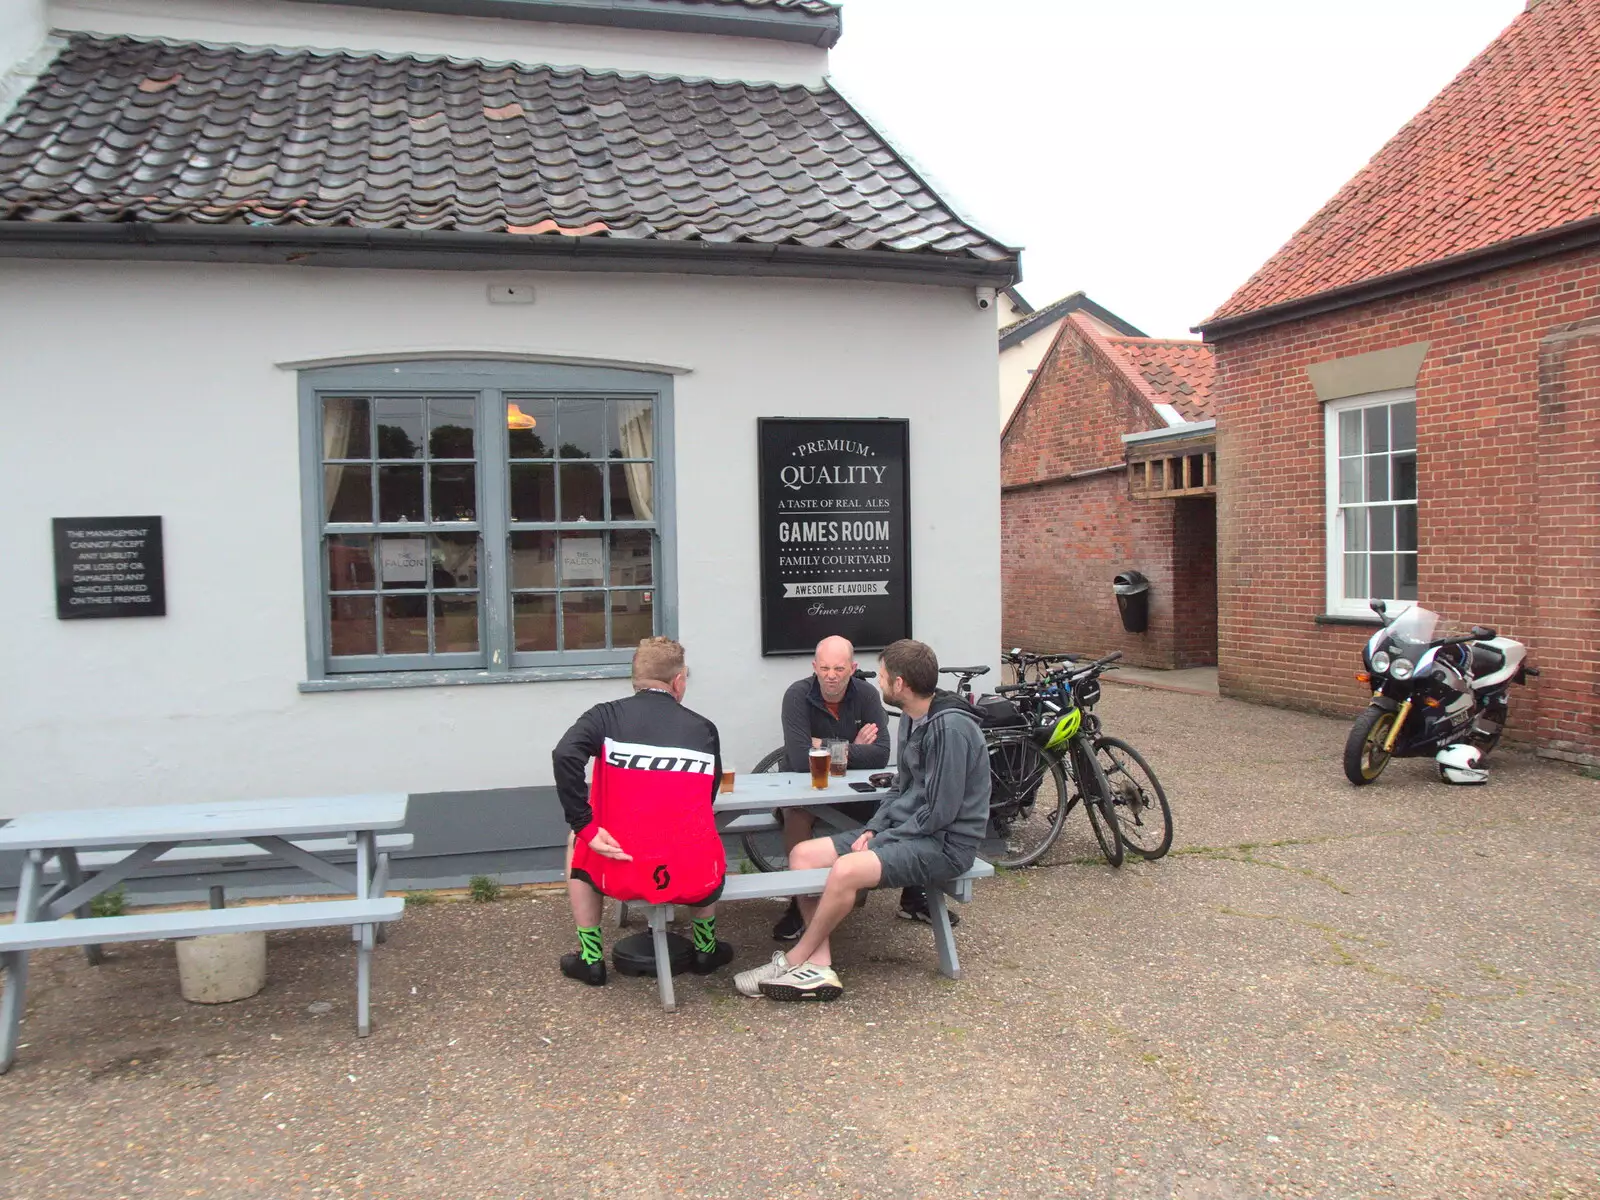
{"type": "Point", "coordinates": [1371, 533]}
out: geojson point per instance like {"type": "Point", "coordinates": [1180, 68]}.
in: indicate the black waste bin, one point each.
{"type": "Point", "coordinates": [1133, 600]}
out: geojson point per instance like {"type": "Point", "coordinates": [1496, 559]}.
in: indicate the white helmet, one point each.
{"type": "Point", "coordinates": [1458, 763]}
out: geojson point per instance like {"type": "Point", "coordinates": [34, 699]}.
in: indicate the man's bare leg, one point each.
{"type": "Point", "coordinates": [585, 903]}
{"type": "Point", "coordinates": [798, 824]}
{"type": "Point", "coordinates": [588, 963]}
{"type": "Point", "coordinates": [847, 875]}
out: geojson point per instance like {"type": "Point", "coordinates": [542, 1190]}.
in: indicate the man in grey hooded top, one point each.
{"type": "Point", "coordinates": [925, 832]}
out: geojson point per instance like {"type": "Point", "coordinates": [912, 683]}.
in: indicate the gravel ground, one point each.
{"type": "Point", "coordinates": [1321, 992]}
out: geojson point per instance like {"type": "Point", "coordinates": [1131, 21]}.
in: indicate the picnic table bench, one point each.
{"type": "Point", "coordinates": [749, 807]}
{"type": "Point", "coordinates": [121, 841]}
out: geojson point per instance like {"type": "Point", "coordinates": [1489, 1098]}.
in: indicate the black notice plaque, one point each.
{"type": "Point", "coordinates": [109, 567]}
{"type": "Point", "coordinates": [835, 532]}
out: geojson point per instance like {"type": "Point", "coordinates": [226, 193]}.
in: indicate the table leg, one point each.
{"type": "Point", "coordinates": [363, 882]}
{"type": "Point", "coordinates": [72, 875]}
{"type": "Point", "coordinates": [380, 889]}
{"type": "Point", "coordinates": [15, 963]}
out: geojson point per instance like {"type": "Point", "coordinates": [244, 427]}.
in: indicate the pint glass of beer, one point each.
{"type": "Point", "coordinates": [838, 757]}
{"type": "Point", "coordinates": [819, 767]}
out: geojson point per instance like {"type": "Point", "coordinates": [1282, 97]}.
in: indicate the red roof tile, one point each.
{"type": "Point", "coordinates": [1510, 148]}
{"type": "Point", "coordinates": [1175, 372]}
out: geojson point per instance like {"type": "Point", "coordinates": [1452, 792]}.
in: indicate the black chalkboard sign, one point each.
{"type": "Point", "coordinates": [109, 567]}
{"type": "Point", "coordinates": [835, 532]}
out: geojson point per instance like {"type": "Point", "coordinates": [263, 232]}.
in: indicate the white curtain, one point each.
{"type": "Point", "coordinates": [636, 438]}
{"type": "Point", "coordinates": [338, 423]}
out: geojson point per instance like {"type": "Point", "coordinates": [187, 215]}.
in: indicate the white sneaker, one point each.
{"type": "Point", "coordinates": [749, 982]}
{"type": "Point", "coordinates": [806, 982]}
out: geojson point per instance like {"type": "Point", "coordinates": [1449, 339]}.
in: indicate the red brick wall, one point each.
{"type": "Point", "coordinates": [1062, 541]}
{"type": "Point", "coordinates": [1073, 416]}
{"type": "Point", "coordinates": [1480, 462]}
{"type": "Point", "coordinates": [1567, 611]}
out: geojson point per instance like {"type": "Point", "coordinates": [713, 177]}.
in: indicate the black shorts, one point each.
{"type": "Point", "coordinates": [580, 874]}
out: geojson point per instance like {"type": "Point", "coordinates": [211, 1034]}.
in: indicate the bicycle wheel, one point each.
{"type": "Point", "coordinates": [1144, 819]}
{"type": "Point", "coordinates": [1096, 792]}
{"type": "Point", "coordinates": [1027, 803]}
{"type": "Point", "coordinates": [766, 850]}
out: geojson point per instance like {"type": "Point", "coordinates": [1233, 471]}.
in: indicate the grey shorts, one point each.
{"type": "Point", "coordinates": [915, 862]}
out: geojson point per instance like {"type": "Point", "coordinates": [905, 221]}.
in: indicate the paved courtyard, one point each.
{"type": "Point", "coordinates": [1321, 992]}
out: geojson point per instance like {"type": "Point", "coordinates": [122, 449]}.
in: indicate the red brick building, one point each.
{"type": "Point", "coordinates": [1408, 396]}
{"type": "Point", "coordinates": [1106, 466]}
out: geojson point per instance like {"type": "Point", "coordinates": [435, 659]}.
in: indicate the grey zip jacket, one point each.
{"type": "Point", "coordinates": [942, 789]}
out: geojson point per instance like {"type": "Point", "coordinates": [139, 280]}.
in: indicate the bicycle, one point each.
{"type": "Point", "coordinates": [1041, 764]}
{"type": "Point", "coordinates": [1144, 818]}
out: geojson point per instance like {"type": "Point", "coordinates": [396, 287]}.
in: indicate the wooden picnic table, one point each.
{"type": "Point", "coordinates": [270, 826]}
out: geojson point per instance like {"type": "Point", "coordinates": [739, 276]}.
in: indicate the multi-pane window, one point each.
{"type": "Point", "coordinates": [582, 513]}
{"type": "Point", "coordinates": [510, 519]}
{"type": "Point", "coordinates": [400, 509]}
{"type": "Point", "coordinates": [1372, 486]}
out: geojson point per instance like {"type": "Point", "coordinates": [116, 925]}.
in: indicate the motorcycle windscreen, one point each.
{"type": "Point", "coordinates": [1415, 625]}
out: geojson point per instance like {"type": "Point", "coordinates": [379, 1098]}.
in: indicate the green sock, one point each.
{"type": "Point", "coordinates": [589, 948]}
{"type": "Point", "coordinates": [705, 934]}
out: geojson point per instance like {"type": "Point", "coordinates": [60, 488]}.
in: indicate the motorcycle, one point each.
{"type": "Point", "coordinates": [1446, 697]}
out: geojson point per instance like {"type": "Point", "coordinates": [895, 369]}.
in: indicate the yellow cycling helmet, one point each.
{"type": "Point", "coordinates": [1066, 727]}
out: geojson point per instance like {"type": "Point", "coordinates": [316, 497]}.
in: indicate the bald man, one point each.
{"type": "Point", "coordinates": [827, 705]}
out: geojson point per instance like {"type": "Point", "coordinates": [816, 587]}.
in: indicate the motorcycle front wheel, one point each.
{"type": "Point", "coordinates": [1364, 755]}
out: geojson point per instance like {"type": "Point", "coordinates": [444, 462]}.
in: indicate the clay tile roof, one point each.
{"type": "Point", "coordinates": [1175, 372]}
{"type": "Point", "coordinates": [121, 129]}
{"type": "Point", "coordinates": [1510, 148]}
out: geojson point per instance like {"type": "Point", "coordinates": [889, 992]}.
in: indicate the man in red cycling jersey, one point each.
{"type": "Point", "coordinates": [643, 827]}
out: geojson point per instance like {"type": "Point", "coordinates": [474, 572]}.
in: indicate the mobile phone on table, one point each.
{"type": "Point", "coordinates": [858, 786]}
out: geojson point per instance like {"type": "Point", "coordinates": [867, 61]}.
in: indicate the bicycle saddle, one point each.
{"type": "Point", "coordinates": [963, 670]}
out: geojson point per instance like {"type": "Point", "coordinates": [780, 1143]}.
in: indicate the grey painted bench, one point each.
{"type": "Point", "coordinates": [220, 855]}
{"type": "Point", "coordinates": [775, 884]}
{"type": "Point", "coordinates": [235, 852]}
{"type": "Point", "coordinates": [18, 938]}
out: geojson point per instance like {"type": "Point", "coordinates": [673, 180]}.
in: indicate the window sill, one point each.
{"type": "Point", "coordinates": [377, 680]}
{"type": "Point", "coordinates": [1372, 622]}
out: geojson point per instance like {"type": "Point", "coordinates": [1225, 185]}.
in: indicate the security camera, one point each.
{"type": "Point", "coordinates": [985, 298]}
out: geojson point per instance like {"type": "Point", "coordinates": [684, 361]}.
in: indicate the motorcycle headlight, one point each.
{"type": "Point", "coordinates": [1380, 661]}
{"type": "Point", "coordinates": [1401, 668]}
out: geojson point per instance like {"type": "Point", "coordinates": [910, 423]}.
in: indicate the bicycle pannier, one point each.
{"type": "Point", "coordinates": [998, 712]}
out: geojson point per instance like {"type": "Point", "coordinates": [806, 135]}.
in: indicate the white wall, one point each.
{"type": "Point", "coordinates": [1018, 363]}
{"type": "Point", "coordinates": [22, 28]}
{"type": "Point", "coordinates": [339, 27]}
{"type": "Point", "coordinates": [151, 389]}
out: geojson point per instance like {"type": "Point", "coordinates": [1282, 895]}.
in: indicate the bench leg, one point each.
{"type": "Point", "coordinates": [72, 876]}
{"type": "Point", "coordinates": [622, 914]}
{"type": "Point", "coordinates": [14, 963]}
{"type": "Point", "coordinates": [363, 983]}
{"type": "Point", "coordinates": [943, 936]}
{"type": "Point", "coordinates": [659, 915]}
{"type": "Point", "coordinates": [14, 969]}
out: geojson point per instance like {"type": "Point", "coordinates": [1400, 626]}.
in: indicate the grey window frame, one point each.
{"type": "Point", "coordinates": [490, 380]}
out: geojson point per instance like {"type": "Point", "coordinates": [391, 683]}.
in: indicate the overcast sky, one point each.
{"type": "Point", "coordinates": [1153, 153]}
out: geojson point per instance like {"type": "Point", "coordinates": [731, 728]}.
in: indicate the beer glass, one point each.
{"type": "Point", "coordinates": [838, 757]}
{"type": "Point", "coordinates": [819, 758]}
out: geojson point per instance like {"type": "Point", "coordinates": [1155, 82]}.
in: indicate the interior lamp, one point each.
{"type": "Point", "coordinates": [517, 419]}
